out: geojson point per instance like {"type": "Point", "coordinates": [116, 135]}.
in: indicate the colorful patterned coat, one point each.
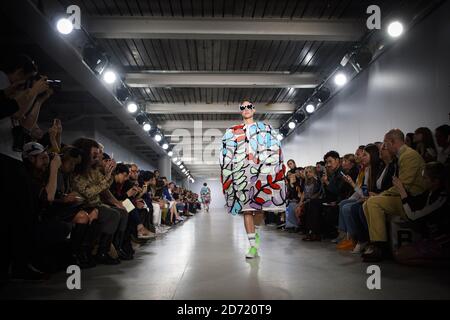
{"type": "Point", "coordinates": [252, 169]}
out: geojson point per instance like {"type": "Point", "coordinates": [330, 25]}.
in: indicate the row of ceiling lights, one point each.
{"type": "Point", "coordinates": [340, 79]}
{"type": "Point", "coordinates": [100, 64]}
{"type": "Point", "coordinates": [359, 60]}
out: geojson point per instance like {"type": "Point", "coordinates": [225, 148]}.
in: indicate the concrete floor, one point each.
{"type": "Point", "coordinates": [204, 259]}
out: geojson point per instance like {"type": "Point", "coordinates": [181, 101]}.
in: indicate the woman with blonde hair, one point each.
{"type": "Point", "coordinates": [312, 189]}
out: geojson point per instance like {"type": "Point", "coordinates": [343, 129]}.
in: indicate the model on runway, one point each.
{"type": "Point", "coordinates": [205, 194]}
{"type": "Point", "coordinates": [252, 172]}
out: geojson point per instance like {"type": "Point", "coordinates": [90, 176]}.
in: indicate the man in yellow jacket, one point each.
{"type": "Point", "coordinates": [410, 167]}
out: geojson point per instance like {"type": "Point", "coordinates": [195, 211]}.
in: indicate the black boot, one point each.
{"type": "Point", "coordinates": [122, 250]}
{"type": "Point", "coordinates": [76, 240]}
{"type": "Point", "coordinates": [104, 245]}
{"type": "Point", "coordinates": [127, 248]}
{"type": "Point", "coordinates": [86, 260]}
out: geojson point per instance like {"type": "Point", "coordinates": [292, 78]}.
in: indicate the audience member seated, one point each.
{"type": "Point", "coordinates": [51, 231]}
{"type": "Point", "coordinates": [300, 175]}
{"type": "Point", "coordinates": [293, 195]}
{"type": "Point", "coordinates": [409, 140]}
{"type": "Point", "coordinates": [410, 166]}
{"type": "Point", "coordinates": [90, 182]}
{"type": "Point", "coordinates": [320, 169]}
{"type": "Point", "coordinates": [321, 215]}
{"type": "Point", "coordinates": [312, 189]}
{"type": "Point", "coordinates": [442, 135]}
{"type": "Point", "coordinates": [168, 197]}
{"type": "Point", "coordinates": [379, 144]}
{"type": "Point", "coordinates": [431, 210]}
{"type": "Point", "coordinates": [291, 165]}
{"type": "Point", "coordinates": [371, 166]}
{"type": "Point", "coordinates": [423, 139]}
{"type": "Point", "coordinates": [68, 206]}
{"type": "Point", "coordinates": [357, 220]}
{"type": "Point", "coordinates": [155, 202]}
{"type": "Point", "coordinates": [358, 154]}
{"type": "Point", "coordinates": [137, 216]}
{"type": "Point", "coordinates": [349, 166]}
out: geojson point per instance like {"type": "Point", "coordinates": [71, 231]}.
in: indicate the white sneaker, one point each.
{"type": "Point", "coordinates": [359, 248]}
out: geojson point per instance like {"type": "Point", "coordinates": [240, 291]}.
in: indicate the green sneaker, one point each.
{"type": "Point", "coordinates": [257, 240]}
{"type": "Point", "coordinates": [252, 253]}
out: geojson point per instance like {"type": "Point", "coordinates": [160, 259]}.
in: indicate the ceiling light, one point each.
{"type": "Point", "coordinates": [291, 125]}
{"type": "Point", "coordinates": [395, 29]}
{"type": "Point", "coordinates": [279, 137]}
{"type": "Point", "coordinates": [170, 153]}
{"type": "Point", "coordinates": [109, 76]}
{"type": "Point", "coordinates": [310, 108]}
{"type": "Point", "coordinates": [132, 107]}
{"type": "Point", "coordinates": [64, 26]}
{"type": "Point", "coordinates": [165, 146]}
{"type": "Point", "coordinates": [147, 127]}
{"type": "Point", "coordinates": [158, 137]}
{"type": "Point", "coordinates": [340, 79]}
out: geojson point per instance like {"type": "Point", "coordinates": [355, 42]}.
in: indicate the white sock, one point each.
{"type": "Point", "coordinates": [257, 229]}
{"type": "Point", "coordinates": [251, 239]}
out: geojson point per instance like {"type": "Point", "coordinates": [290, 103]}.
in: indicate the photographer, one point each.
{"type": "Point", "coordinates": [15, 98]}
{"type": "Point", "coordinates": [22, 94]}
{"type": "Point", "coordinates": [15, 102]}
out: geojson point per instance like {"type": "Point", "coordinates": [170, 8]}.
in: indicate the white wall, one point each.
{"type": "Point", "coordinates": [407, 88]}
{"type": "Point", "coordinates": [217, 197]}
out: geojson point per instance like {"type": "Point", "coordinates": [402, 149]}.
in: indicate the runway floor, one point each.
{"type": "Point", "coordinates": [204, 259]}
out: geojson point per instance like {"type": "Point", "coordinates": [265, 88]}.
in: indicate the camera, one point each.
{"type": "Point", "coordinates": [55, 85]}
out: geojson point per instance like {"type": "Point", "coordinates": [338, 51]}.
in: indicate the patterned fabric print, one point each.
{"type": "Point", "coordinates": [252, 169]}
{"type": "Point", "coordinates": [90, 186]}
{"type": "Point", "coordinates": [205, 195]}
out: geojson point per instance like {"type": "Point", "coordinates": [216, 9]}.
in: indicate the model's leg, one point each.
{"type": "Point", "coordinates": [258, 218]}
{"type": "Point", "coordinates": [250, 229]}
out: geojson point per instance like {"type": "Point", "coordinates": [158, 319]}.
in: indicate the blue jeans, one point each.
{"type": "Point", "coordinates": [291, 219]}
{"type": "Point", "coordinates": [344, 215]}
{"type": "Point", "coordinates": [358, 222]}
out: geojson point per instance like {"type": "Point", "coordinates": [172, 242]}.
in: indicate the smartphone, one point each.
{"type": "Point", "coordinates": [342, 173]}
